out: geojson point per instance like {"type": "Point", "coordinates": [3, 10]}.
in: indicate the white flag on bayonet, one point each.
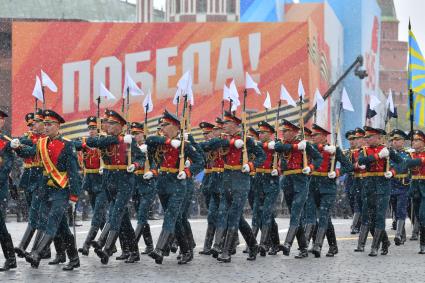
{"type": "Point", "coordinates": [390, 102]}
{"type": "Point", "coordinates": [320, 102]}
{"type": "Point", "coordinates": [130, 86]}
{"type": "Point", "coordinates": [104, 92]}
{"type": "Point", "coordinates": [37, 91]}
{"type": "Point", "coordinates": [345, 100]}
{"type": "Point", "coordinates": [147, 102]}
{"type": "Point", "coordinates": [47, 81]}
{"type": "Point", "coordinates": [301, 92]}
{"type": "Point", "coordinates": [249, 83]}
{"type": "Point", "coordinates": [267, 103]}
{"type": "Point", "coordinates": [284, 95]}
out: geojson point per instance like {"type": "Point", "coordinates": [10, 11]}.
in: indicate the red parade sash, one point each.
{"type": "Point", "coordinates": [61, 178]}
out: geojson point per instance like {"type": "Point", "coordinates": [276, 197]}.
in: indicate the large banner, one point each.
{"type": "Point", "coordinates": [79, 56]}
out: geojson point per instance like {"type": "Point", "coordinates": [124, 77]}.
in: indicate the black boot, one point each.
{"type": "Point", "coordinates": [107, 250]}
{"type": "Point", "coordinates": [147, 237]}
{"type": "Point", "coordinates": [36, 242]}
{"type": "Point", "coordinates": [8, 252]}
{"type": "Point", "coordinates": [209, 237]}
{"type": "Point", "coordinates": [330, 235]}
{"type": "Point", "coordinates": [98, 245]}
{"type": "Point", "coordinates": [26, 239]}
{"type": "Point", "coordinates": [225, 255]}
{"type": "Point", "coordinates": [265, 233]}
{"type": "Point", "coordinates": [399, 232]}
{"type": "Point", "coordinates": [173, 245]}
{"type": "Point", "coordinates": [134, 251]}
{"type": "Point", "coordinates": [218, 242]}
{"type": "Point", "coordinates": [255, 233]}
{"type": "Point", "coordinates": [377, 235]}
{"type": "Point", "coordinates": [290, 236]}
{"type": "Point", "coordinates": [309, 230]}
{"type": "Point", "coordinates": [302, 243]}
{"type": "Point", "coordinates": [320, 236]}
{"type": "Point", "coordinates": [354, 225]}
{"type": "Point", "coordinates": [35, 256]}
{"type": "Point", "coordinates": [185, 244]}
{"type": "Point", "coordinates": [158, 253]}
{"type": "Point", "coordinates": [60, 251]}
{"type": "Point", "coordinates": [385, 243]}
{"type": "Point", "coordinates": [364, 230]}
{"type": "Point", "coordinates": [422, 240]}
{"type": "Point", "coordinates": [71, 251]}
{"type": "Point", "coordinates": [90, 237]}
{"type": "Point", "coordinates": [125, 246]}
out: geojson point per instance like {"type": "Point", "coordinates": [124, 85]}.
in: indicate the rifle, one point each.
{"type": "Point", "coordinates": [333, 158]}
{"type": "Point", "coordinates": [145, 134]}
{"type": "Point", "coordinates": [387, 129]}
{"type": "Point", "coordinates": [276, 127]}
{"type": "Point", "coordinates": [182, 132]}
{"type": "Point", "coordinates": [128, 126]}
{"type": "Point", "coordinates": [244, 130]}
{"type": "Point", "coordinates": [98, 131]}
{"type": "Point", "coordinates": [305, 161]}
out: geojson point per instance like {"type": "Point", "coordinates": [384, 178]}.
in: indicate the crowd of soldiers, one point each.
{"type": "Point", "coordinates": [119, 159]}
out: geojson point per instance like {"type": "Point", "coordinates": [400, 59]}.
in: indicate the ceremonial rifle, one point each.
{"type": "Point", "coordinates": [305, 161]}
{"type": "Point", "coordinates": [145, 135]}
{"type": "Point", "coordinates": [333, 158]}
{"type": "Point", "coordinates": [182, 134]}
{"type": "Point", "coordinates": [276, 127]}
{"type": "Point", "coordinates": [244, 130]}
{"type": "Point", "coordinates": [127, 114]}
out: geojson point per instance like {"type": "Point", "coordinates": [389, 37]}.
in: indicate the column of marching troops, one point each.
{"type": "Point", "coordinates": [117, 166]}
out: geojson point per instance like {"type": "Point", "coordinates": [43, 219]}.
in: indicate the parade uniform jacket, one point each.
{"type": "Point", "coordinates": [114, 152]}
{"type": "Point", "coordinates": [169, 157]}
{"type": "Point", "coordinates": [401, 179]}
{"type": "Point", "coordinates": [416, 164]}
{"type": "Point", "coordinates": [91, 157]}
{"type": "Point", "coordinates": [6, 162]}
{"type": "Point", "coordinates": [376, 166]}
{"type": "Point", "coordinates": [325, 166]}
{"type": "Point", "coordinates": [267, 166]}
{"type": "Point", "coordinates": [60, 163]}
{"type": "Point", "coordinates": [233, 156]}
{"type": "Point", "coordinates": [292, 161]}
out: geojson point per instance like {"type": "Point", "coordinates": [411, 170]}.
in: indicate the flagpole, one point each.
{"type": "Point", "coordinates": [145, 134]}
{"type": "Point", "coordinates": [177, 106]}
{"type": "Point", "coordinates": [335, 141]}
{"type": "Point", "coordinates": [244, 129]}
{"type": "Point", "coordinates": [276, 133]}
{"type": "Point", "coordinates": [410, 89]}
{"type": "Point", "coordinates": [44, 99]}
{"type": "Point", "coordinates": [127, 114]}
{"type": "Point", "coordinates": [301, 123]}
{"type": "Point", "coordinates": [36, 105]}
{"type": "Point", "coordinates": [222, 109]}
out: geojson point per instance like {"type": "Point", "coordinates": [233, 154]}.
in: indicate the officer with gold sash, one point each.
{"type": "Point", "coordinates": [296, 169]}
{"type": "Point", "coordinates": [61, 182]}
{"type": "Point", "coordinates": [376, 191]}
{"type": "Point", "coordinates": [6, 161]}
{"type": "Point", "coordinates": [416, 164]}
{"type": "Point", "coordinates": [92, 184]}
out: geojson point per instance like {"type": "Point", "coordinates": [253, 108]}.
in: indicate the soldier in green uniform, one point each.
{"type": "Point", "coordinates": [92, 184]}
{"type": "Point", "coordinates": [323, 186]}
{"type": "Point", "coordinates": [121, 158]}
{"type": "Point", "coordinates": [299, 160]}
{"type": "Point", "coordinates": [171, 184]}
{"type": "Point", "coordinates": [236, 179]}
{"type": "Point", "coordinates": [61, 185]}
{"type": "Point", "coordinates": [6, 161]}
{"type": "Point", "coordinates": [145, 189]}
{"type": "Point", "coordinates": [376, 190]}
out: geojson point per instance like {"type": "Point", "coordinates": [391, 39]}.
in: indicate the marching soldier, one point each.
{"type": "Point", "coordinates": [236, 179]}
{"type": "Point", "coordinates": [6, 161]}
{"type": "Point", "coordinates": [400, 186]}
{"type": "Point", "coordinates": [61, 184]}
{"type": "Point", "coordinates": [212, 199]}
{"type": "Point", "coordinates": [171, 184]}
{"type": "Point", "coordinates": [299, 160]}
{"type": "Point", "coordinates": [122, 158]}
{"type": "Point", "coordinates": [323, 186]}
{"type": "Point", "coordinates": [92, 184]}
{"type": "Point", "coordinates": [417, 166]}
{"type": "Point", "coordinates": [376, 190]}
{"type": "Point", "coordinates": [145, 189]}
{"type": "Point", "coordinates": [267, 186]}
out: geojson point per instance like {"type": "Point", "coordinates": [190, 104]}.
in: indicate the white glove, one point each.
{"type": "Point", "coordinates": [332, 175]}
{"type": "Point", "coordinates": [101, 170]}
{"type": "Point", "coordinates": [388, 174]}
{"type": "Point", "coordinates": [148, 175]}
{"type": "Point", "coordinates": [176, 143]}
{"type": "Point", "coordinates": [271, 145]}
{"type": "Point", "coordinates": [362, 167]}
{"type": "Point", "coordinates": [384, 153]}
{"type": "Point", "coordinates": [302, 145]}
{"type": "Point", "coordinates": [186, 137]}
{"type": "Point", "coordinates": [72, 204]}
{"type": "Point", "coordinates": [246, 168]}
{"type": "Point", "coordinates": [238, 143]}
{"type": "Point", "coordinates": [307, 170]}
{"type": "Point", "coordinates": [410, 150]}
{"type": "Point", "coordinates": [330, 148]}
{"type": "Point", "coordinates": [274, 172]}
{"type": "Point", "coordinates": [128, 139]}
{"type": "Point", "coordinates": [181, 175]}
{"type": "Point", "coordinates": [187, 163]}
{"type": "Point", "coordinates": [130, 168]}
{"type": "Point", "coordinates": [15, 143]}
{"type": "Point", "coordinates": [144, 148]}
